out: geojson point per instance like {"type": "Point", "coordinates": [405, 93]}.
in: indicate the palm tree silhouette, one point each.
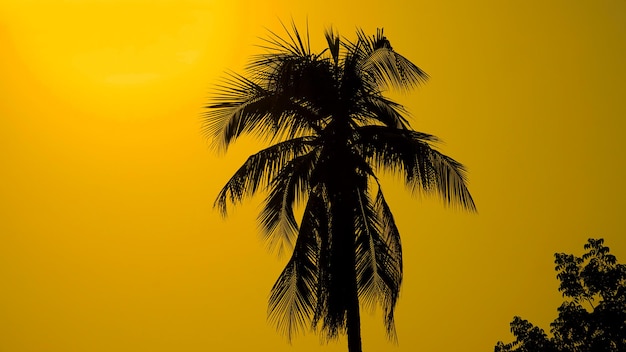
{"type": "Point", "coordinates": [331, 130]}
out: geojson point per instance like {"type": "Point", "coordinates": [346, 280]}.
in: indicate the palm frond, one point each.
{"type": "Point", "coordinates": [382, 110]}
{"type": "Point", "coordinates": [367, 227]}
{"type": "Point", "coordinates": [333, 41]}
{"type": "Point", "coordinates": [294, 45]}
{"type": "Point", "coordinates": [307, 84]}
{"type": "Point", "coordinates": [451, 180]}
{"type": "Point", "coordinates": [243, 106]}
{"type": "Point", "coordinates": [277, 217]}
{"type": "Point", "coordinates": [259, 169]}
{"type": "Point", "coordinates": [383, 65]}
{"type": "Point", "coordinates": [227, 117]}
{"type": "Point", "coordinates": [379, 258]}
{"type": "Point", "coordinates": [390, 262]}
{"type": "Point", "coordinates": [316, 219]}
{"type": "Point", "coordinates": [294, 299]}
{"type": "Point", "coordinates": [425, 169]}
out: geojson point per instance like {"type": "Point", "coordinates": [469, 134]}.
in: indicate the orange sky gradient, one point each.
{"type": "Point", "coordinates": [108, 239]}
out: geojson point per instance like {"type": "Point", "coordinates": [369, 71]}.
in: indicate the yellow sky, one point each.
{"type": "Point", "coordinates": [108, 241]}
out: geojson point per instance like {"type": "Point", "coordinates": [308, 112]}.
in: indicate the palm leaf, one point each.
{"type": "Point", "coordinates": [382, 110]}
{"type": "Point", "coordinates": [277, 217]}
{"type": "Point", "coordinates": [425, 169]}
{"type": "Point", "coordinates": [294, 299]}
{"type": "Point", "coordinates": [243, 106]}
{"type": "Point", "coordinates": [383, 65]}
{"type": "Point", "coordinates": [259, 169]}
{"type": "Point", "coordinates": [379, 258]}
{"type": "Point", "coordinates": [333, 41]}
{"type": "Point", "coordinates": [390, 262]}
{"type": "Point", "coordinates": [451, 180]}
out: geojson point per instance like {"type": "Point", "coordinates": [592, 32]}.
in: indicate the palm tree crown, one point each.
{"type": "Point", "coordinates": [331, 130]}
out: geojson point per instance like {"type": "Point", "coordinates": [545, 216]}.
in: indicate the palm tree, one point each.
{"type": "Point", "coordinates": [331, 131]}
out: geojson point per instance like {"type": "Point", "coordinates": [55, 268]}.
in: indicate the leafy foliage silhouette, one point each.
{"type": "Point", "coordinates": [593, 318]}
{"type": "Point", "coordinates": [330, 131]}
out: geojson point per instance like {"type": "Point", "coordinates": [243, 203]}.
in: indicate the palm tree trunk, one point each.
{"type": "Point", "coordinates": [353, 315]}
{"type": "Point", "coordinates": [343, 259]}
{"type": "Point", "coordinates": [347, 250]}
{"type": "Point", "coordinates": [343, 187]}
{"type": "Point", "coordinates": [346, 282]}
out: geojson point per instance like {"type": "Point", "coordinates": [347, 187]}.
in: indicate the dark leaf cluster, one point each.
{"type": "Point", "coordinates": [593, 317]}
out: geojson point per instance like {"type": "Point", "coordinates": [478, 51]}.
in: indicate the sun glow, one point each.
{"type": "Point", "coordinates": [92, 53]}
